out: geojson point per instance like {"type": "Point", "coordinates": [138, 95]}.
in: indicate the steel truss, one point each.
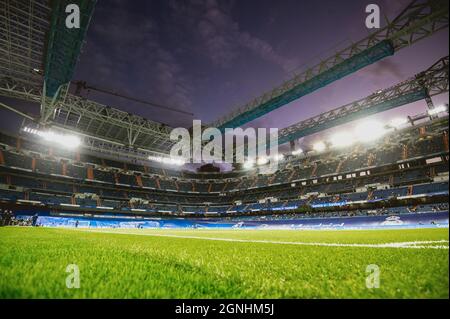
{"type": "Point", "coordinates": [24, 26]}
{"type": "Point", "coordinates": [37, 57]}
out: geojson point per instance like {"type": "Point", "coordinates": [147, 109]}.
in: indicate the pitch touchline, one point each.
{"type": "Point", "coordinates": [410, 244]}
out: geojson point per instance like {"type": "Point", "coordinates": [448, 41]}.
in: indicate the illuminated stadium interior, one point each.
{"type": "Point", "coordinates": [81, 158]}
{"type": "Point", "coordinates": [119, 178]}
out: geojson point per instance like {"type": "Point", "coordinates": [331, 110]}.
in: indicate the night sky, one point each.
{"type": "Point", "coordinates": [210, 56]}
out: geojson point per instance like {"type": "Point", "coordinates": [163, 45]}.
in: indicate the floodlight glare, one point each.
{"type": "Point", "coordinates": [437, 110]}
{"type": "Point", "coordinates": [297, 152]}
{"type": "Point", "coordinates": [67, 141]}
{"type": "Point", "coordinates": [398, 122]}
{"type": "Point", "coordinates": [167, 160]}
{"type": "Point", "coordinates": [319, 146]}
{"type": "Point", "coordinates": [342, 139]}
{"type": "Point", "coordinates": [368, 131]}
{"type": "Point", "coordinates": [278, 157]}
{"type": "Point", "coordinates": [262, 160]}
{"type": "Point", "coordinates": [249, 164]}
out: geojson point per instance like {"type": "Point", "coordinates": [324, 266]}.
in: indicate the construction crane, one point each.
{"type": "Point", "coordinates": [82, 85]}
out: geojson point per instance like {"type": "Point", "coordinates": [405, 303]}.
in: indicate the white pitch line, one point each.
{"type": "Point", "coordinates": [410, 244]}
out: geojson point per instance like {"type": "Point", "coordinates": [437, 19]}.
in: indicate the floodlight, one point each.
{"type": "Point", "coordinates": [167, 160]}
{"type": "Point", "coordinates": [249, 164]}
{"type": "Point", "coordinates": [437, 110]}
{"type": "Point", "coordinates": [278, 157]}
{"type": "Point", "coordinates": [368, 131]}
{"type": "Point", "coordinates": [342, 139]}
{"type": "Point", "coordinates": [67, 141]}
{"type": "Point", "coordinates": [319, 146]}
{"type": "Point", "coordinates": [262, 160]}
{"type": "Point", "coordinates": [397, 122]}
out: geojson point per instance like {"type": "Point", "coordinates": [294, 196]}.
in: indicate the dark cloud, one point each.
{"type": "Point", "coordinates": [220, 35]}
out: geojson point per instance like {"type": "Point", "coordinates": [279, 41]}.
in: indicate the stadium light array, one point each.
{"type": "Point", "coordinates": [167, 160]}
{"type": "Point", "coordinates": [319, 146]}
{"type": "Point", "coordinates": [437, 110]}
{"type": "Point", "coordinates": [65, 140]}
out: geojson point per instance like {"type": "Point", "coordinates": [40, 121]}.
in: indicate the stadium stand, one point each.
{"type": "Point", "coordinates": [393, 169]}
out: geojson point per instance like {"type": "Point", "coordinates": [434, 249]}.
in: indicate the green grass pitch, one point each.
{"type": "Point", "coordinates": [222, 263]}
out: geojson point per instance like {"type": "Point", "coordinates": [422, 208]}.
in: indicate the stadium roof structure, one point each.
{"type": "Point", "coordinates": [37, 59]}
{"type": "Point", "coordinates": [430, 82]}
{"type": "Point", "coordinates": [38, 56]}
{"type": "Point", "coordinates": [423, 85]}
{"type": "Point", "coordinates": [417, 21]}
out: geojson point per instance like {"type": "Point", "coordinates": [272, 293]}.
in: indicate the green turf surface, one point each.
{"type": "Point", "coordinates": [112, 265]}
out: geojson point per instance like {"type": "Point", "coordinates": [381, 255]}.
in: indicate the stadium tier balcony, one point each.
{"type": "Point", "coordinates": [149, 182]}
{"type": "Point", "coordinates": [262, 180]}
{"type": "Point", "coordinates": [111, 163]}
{"type": "Point", "coordinates": [17, 160]}
{"type": "Point", "coordinates": [75, 171]}
{"type": "Point", "coordinates": [50, 199]}
{"type": "Point", "coordinates": [202, 187]}
{"type": "Point", "coordinates": [281, 177]}
{"type": "Point", "coordinates": [135, 167]}
{"type": "Point", "coordinates": [430, 188]}
{"type": "Point", "coordinates": [411, 176]}
{"type": "Point", "coordinates": [26, 182]}
{"type": "Point", "coordinates": [86, 202]}
{"type": "Point", "coordinates": [112, 193]}
{"type": "Point", "coordinates": [326, 168]}
{"type": "Point", "coordinates": [167, 184]}
{"type": "Point", "coordinates": [230, 186]}
{"type": "Point", "coordinates": [87, 189]}
{"type": "Point", "coordinates": [217, 187]}
{"type": "Point", "coordinates": [110, 203]}
{"type": "Point", "coordinates": [127, 179]}
{"type": "Point", "coordinates": [10, 195]}
{"type": "Point", "coordinates": [104, 176]}
{"type": "Point", "coordinates": [302, 173]}
{"type": "Point", "coordinates": [184, 186]}
{"type": "Point", "coordinates": [388, 193]}
{"type": "Point", "coordinates": [388, 155]}
{"type": "Point", "coordinates": [48, 167]}
{"type": "Point", "coordinates": [59, 187]}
